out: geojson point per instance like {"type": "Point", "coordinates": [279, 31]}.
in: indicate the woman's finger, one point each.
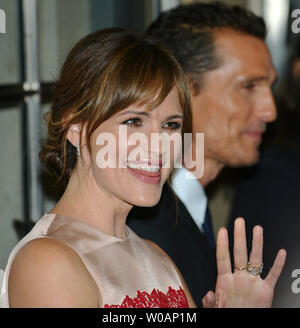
{"type": "Point", "coordinates": [240, 245]}
{"type": "Point", "coordinates": [209, 300]}
{"type": "Point", "coordinates": [223, 255]}
{"type": "Point", "coordinates": [276, 269]}
{"type": "Point", "coordinates": [257, 246]}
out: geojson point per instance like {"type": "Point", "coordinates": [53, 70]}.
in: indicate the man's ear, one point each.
{"type": "Point", "coordinates": [194, 87]}
{"type": "Point", "coordinates": [73, 134]}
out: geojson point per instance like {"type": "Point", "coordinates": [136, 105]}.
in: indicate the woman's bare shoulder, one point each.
{"type": "Point", "coordinates": [47, 273]}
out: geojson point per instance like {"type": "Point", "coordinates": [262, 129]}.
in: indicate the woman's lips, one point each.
{"type": "Point", "coordinates": [145, 176]}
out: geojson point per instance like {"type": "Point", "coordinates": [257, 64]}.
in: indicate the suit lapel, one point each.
{"type": "Point", "coordinates": [183, 220]}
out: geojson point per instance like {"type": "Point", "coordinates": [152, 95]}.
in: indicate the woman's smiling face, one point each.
{"type": "Point", "coordinates": [137, 170]}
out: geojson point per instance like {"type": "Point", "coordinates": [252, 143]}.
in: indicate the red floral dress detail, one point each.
{"type": "Point", "coordinates": [157, 299]}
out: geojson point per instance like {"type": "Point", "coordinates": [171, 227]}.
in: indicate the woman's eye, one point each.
{"type": "Point", "coordinates": [172, 125]}
{"type": "Point", "coordinates": [133, 122]}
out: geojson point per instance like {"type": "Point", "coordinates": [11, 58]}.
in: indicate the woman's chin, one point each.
{"type": "Point", "coordinates": [146, 200]}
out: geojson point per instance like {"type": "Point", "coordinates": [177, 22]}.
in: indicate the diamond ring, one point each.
{"type": "Point", "coordinates": [255, 270]}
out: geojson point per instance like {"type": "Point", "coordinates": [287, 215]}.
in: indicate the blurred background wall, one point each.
{"type": "Point", "coordinates": [39, 33]}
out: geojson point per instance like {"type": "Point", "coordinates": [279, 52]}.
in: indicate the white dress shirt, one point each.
{"type": "Point", "coordinates": [191, 193]}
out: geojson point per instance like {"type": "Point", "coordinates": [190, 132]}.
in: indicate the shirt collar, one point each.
{"type": "Point", "coordinates": [190, 191]}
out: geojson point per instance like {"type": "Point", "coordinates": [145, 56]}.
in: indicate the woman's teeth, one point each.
{"type": "Point", "coordinates": [143, 167]}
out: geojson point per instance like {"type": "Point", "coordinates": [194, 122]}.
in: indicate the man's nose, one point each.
{"type": "Point", "coordinates": [267, 108]}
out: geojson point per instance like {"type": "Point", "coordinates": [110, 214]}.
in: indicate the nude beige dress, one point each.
{"type": "Point", "coordinates": [129, 272]}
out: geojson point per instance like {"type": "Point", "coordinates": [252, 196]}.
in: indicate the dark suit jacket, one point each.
{"type": "Point", "coordinates": [178, 235]}
{"type": "Point", "coordinates": [268, 194]}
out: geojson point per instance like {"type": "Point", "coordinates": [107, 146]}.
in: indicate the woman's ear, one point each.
{"type": "Point", "coordinates": [73, 134]}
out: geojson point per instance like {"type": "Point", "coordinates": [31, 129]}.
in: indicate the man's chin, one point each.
{"type": "Point", "coordinates": [246, 160]}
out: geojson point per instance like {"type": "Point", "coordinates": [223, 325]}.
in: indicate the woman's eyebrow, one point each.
{"type": "Point", "coordinates": [172, 117]}
{"type": "Point", "coordinates": [135, 113]}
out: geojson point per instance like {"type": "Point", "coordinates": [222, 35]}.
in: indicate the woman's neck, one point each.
{"type": "Point", "coordinates": [86, 201]}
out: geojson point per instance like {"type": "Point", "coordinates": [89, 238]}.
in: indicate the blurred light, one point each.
{"type": "Point", "coordinates": [168, 4]}
{"type": "Point", "coordinates": [276, 15]}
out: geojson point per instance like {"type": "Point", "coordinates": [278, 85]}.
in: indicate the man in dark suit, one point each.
{"type": "Point", "coordinates": [230, 73]}
{"type": "Point", "coordinates": [268, 193]}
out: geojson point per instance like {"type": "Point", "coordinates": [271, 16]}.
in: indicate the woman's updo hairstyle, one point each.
{"type": "Point", "coordinates": [104, 73]}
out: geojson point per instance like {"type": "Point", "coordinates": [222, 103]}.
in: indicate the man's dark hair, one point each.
{"type": "Point", "coordinates": [188, 32]}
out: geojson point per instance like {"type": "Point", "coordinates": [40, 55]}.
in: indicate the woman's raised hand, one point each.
{"type": "Point", "coordinates": [243, 287]}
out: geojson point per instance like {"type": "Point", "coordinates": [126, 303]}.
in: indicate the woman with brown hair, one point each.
{"type": "Point", "coordinates": [82, 253]}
